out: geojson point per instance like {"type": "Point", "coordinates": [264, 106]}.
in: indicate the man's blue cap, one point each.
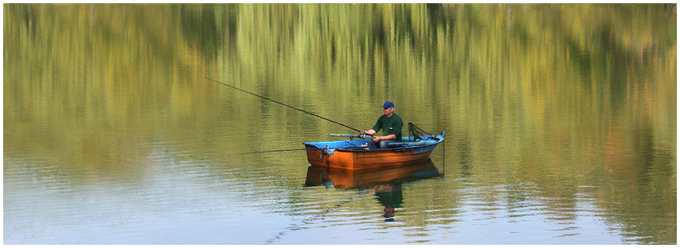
{"type": "Point", "coordinates": [388, 105]}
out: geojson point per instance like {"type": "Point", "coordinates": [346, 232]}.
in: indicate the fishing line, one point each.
{"type": "Point", "coordinates": [295, 227]}
{"type": "Point", "coordinates": [269, 99]}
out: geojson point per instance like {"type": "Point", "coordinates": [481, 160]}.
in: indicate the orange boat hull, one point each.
{"type": "Point", "coordinates": [365, 159]}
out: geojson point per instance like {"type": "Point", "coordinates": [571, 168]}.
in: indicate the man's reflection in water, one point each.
{"type": "Point", "coordinates": [390, 196]}
{"type": "Point", "coordinates": [389, 213]}
{"type": "Point", "coordinates": [385, 185]}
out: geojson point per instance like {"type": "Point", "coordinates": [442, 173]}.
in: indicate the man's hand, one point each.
{"type": "Point", "coordinates": [369, 132]}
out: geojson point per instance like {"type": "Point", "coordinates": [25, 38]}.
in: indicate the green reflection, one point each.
{"type": "Point", "coordinates": [555, 96]}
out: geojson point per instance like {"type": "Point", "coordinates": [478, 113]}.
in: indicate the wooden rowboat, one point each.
{"type": "Point", "coordinates": [353, 154]}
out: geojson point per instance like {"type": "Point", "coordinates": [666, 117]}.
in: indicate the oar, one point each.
{"type": "Point", "coordinates": [287, 150]}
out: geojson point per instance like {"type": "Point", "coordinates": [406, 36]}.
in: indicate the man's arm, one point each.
{"type": "Point", "coordinates": [386, 137]}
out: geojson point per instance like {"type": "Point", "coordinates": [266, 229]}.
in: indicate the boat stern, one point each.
{"type": "Point", "coordinates": [325, 153]}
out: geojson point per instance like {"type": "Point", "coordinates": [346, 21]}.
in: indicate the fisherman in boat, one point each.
{"type": "Point", "coordinates": [390, 123]}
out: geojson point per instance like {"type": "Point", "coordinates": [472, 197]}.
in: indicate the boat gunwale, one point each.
{"type": "Point", "coordinates": [440, 139]}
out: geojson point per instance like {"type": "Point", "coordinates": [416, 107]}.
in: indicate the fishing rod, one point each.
{"type": "Point", "coordinates": [268, 99]}
{"type": "Point", "coordinates": [351, 136]}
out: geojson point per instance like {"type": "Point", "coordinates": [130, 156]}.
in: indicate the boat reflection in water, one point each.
{"type": "Point", "coordinates": [385, 184]}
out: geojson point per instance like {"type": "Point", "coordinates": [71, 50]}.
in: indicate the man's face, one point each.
{"type": "Point", "coordinates": [388, 111]}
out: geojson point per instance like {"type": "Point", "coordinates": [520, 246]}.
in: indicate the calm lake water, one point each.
{"type": "Point", "coordinates": [560, 123]}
